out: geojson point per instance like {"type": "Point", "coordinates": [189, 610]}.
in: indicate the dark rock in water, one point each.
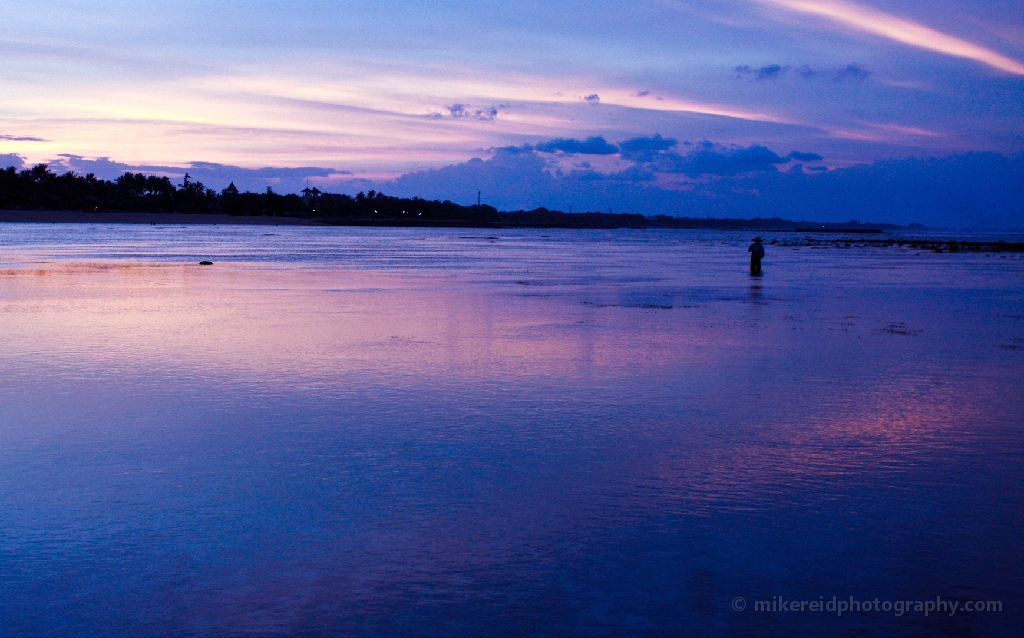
{"type": "Point", "coordinates": [206, 263]}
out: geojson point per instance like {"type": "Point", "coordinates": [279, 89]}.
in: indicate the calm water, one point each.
{"type": "Point", "coordinates": [405, 432]}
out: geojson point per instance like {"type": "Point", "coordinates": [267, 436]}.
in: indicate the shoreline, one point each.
{"type": "Point", "coordinates": [813, 235]}
{"type": "Point", "coordinates": [517, 219]}
{"type": "Point", "coordinates": [163, 218]}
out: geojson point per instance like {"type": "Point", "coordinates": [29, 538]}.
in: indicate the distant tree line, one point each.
{"type": "Point", "coordinates": [39, 188]}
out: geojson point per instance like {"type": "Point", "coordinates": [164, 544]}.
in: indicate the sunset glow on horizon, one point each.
{"type": "Point", "coordinates": [390, 88]}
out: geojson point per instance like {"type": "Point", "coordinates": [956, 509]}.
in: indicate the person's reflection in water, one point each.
{"type": "Point", "coordinates": [756, 251]}
{"type": "Point", "coordinates": [756, 301]}
{"type": "Point", "coordinates": [756, 294]}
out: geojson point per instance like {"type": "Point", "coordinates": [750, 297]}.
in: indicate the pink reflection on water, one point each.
{"type": "Point", "coordinates": [450, 420]}
{"type": "Point", "coordinates": [288, 325]}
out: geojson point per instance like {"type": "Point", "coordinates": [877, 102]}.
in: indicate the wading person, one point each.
{"type": "Point", "coordinates": [756, 251]}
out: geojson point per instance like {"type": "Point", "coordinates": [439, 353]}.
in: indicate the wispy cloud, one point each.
{"type": "Point", "coordinates": [880, 132]}
{"type": "Point", "coordinates": [653, 102]}
{"type": "Point", "coordinates": [899, 29]}
{"type": "Point", "coordinates": [20, 138]}
{"type": "Point", "coordinates": [902, 130]}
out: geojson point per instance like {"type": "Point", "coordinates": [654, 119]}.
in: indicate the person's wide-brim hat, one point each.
{"type": "Point", "coordinates": [757, 239]}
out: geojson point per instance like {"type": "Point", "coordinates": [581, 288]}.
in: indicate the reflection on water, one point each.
{"type": "Point", "coordinates": [419, 432]}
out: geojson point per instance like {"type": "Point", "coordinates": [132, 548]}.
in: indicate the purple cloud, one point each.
{"type": "Point", "coordinates": [710, 159]}
{"type": "Point", "coordinates": [851, 72]}
{"type": "Point", "coordinates": [591, 146]}
{"type": "Point", "coordinates": [804, 157]}
{"type": "Point", "coordinates": [14, 160]}
{"type": "Point", "coordinates": [464, 111]}
{"type": "Point", "coordinates": [769, 72]}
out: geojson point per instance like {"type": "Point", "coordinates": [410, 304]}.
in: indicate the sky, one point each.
{"type": "Point", "coordinates": [351, 94]}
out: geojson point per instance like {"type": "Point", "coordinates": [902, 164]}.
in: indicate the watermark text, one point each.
{"type": "Point", "coordinates": [839, 606]}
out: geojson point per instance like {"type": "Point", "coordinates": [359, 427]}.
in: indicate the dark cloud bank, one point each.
{"type": "Point", "coordinates": [980, 190]}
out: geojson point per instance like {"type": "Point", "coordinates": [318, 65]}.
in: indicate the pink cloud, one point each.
{"type": "Point", "coordinates": [905, 31]}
